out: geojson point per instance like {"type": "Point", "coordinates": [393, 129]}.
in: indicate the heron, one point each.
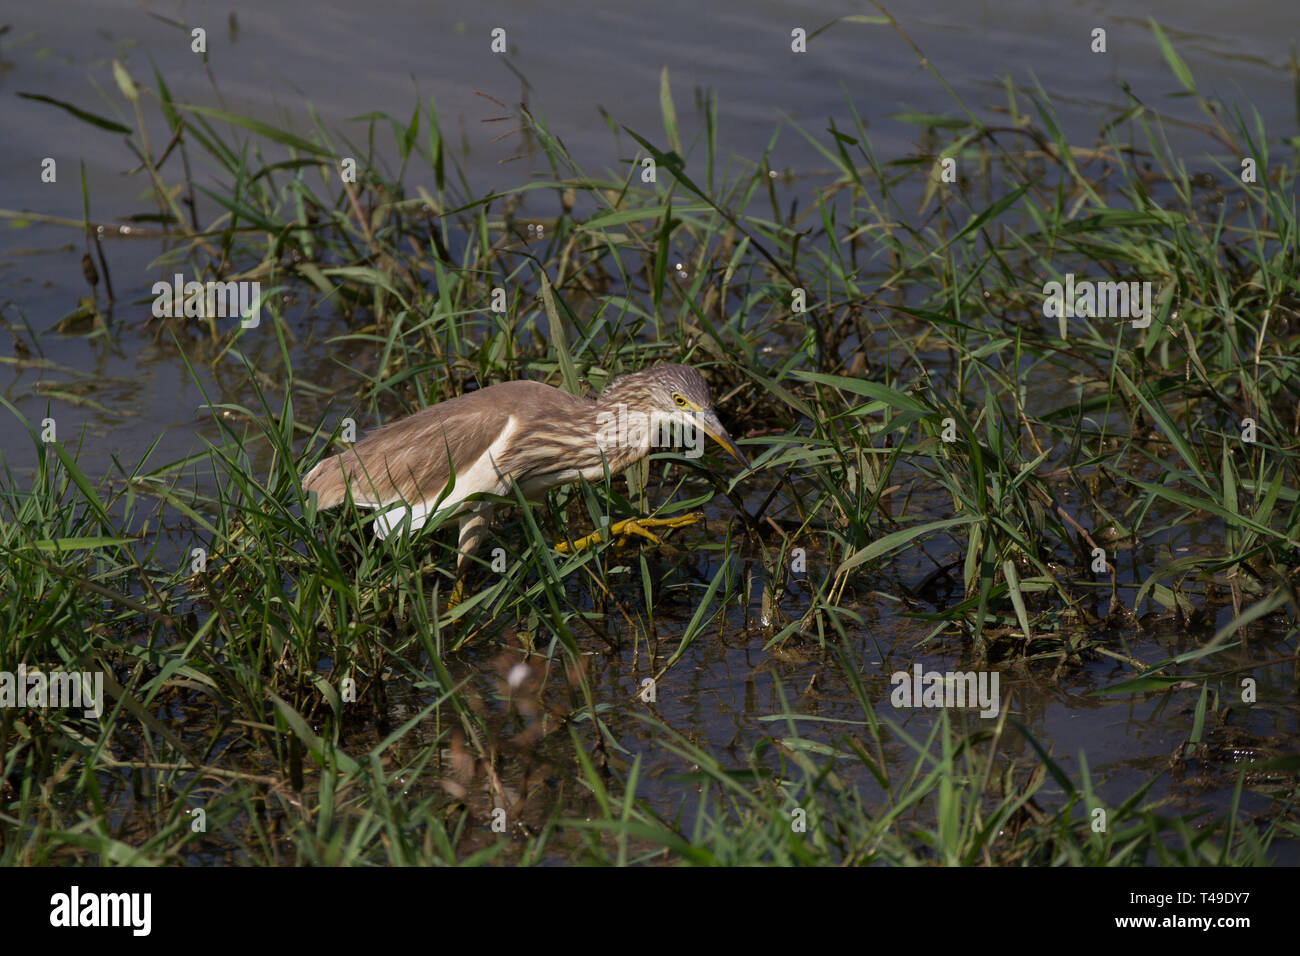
{"type": "Point", "coordinates": [454, 456]}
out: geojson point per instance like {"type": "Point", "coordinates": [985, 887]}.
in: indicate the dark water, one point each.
{"type": "Point", "coordinates": [274, 61]}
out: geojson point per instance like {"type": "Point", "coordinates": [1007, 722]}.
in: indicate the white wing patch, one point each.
{"type": "Point", "coordinates": [483, 475]}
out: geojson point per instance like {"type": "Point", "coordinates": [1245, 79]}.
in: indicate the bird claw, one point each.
{"type": "Point", "coordinates": [457, 594]}
{"type": "Point", "coordinates": [627, 528]}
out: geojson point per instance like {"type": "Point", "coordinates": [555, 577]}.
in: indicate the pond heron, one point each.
{"type": "Point", "coordinates": [520, 433]}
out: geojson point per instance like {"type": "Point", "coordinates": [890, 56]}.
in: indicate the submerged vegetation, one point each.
{"type": "Point", "coordinates": [947, 472]}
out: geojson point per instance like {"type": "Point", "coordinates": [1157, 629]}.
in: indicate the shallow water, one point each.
{"type": "Point", "coordinates": [273, 61]}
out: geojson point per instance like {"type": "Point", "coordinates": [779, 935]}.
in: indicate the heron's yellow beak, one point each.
{"type": "Point", "coordinates": [719, 434]}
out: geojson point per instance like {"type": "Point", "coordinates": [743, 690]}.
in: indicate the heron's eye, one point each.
{"type": "Point", "coordinates": [679, 399]}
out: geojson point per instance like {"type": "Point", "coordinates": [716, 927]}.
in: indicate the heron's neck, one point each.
{"type": "Point", "coordinates": [623, 432]}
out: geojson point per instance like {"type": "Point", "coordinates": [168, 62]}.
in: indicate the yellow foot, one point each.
{"type": "Point", "coordinates": [628, 527]}
{"type": "Point", "coordinates": [457, 594]}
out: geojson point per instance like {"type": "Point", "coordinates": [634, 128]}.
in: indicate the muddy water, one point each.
{"type": "Point", "coordinates": [274, 61]}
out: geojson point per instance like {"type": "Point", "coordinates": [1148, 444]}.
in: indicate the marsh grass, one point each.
{"type": "Point", "coordinates": [922, 433]}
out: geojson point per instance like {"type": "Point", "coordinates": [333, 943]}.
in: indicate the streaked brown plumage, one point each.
{"type": "Point", "coordinates": [523, 432]}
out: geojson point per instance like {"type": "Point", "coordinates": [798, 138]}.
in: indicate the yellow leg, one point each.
{"type": "Point", "coordinates": [628, 527]}
{"type": "Point", "coordinates": [457, 593]}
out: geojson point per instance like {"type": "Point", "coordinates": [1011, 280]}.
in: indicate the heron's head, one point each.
{"type": "Point", "coordinates": [676, 405]}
